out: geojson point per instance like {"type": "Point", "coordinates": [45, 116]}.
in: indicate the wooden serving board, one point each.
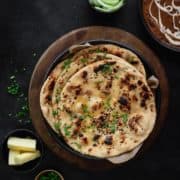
{"type": "Point", "coordinates": [63, 43]}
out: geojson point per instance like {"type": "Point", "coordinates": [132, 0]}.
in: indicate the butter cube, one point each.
{"type": "Point", "coordinates": [21, 144]}
{"type": "Point", "coordinates": [12, 155]}
{"type": "Point", "coordinates": [25, 157]}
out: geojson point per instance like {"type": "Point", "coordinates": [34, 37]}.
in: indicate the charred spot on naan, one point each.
{"type": "Point", "coordinates": [145, 95]}
{"type": "Point", "coordinates": [135, 124]}
{"type": "Point", "coordinates": [125, 102]}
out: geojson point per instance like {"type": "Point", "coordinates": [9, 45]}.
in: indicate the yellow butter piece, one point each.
{"type": "Point", "coordinates": [11, 156]}
{"type": "Point", "coordinates": [21, 144]}
{"type": "Point", "coordinates": [25, 157]}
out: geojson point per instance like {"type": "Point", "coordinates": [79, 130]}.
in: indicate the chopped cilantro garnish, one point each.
{"type": "Point", "coordinates": [85, 108]}
{"type": "Point", "coordinates": [55, 113]}
{"type": "Point", "coordinates": [124, 118]}
{"type": "Point", "coordinates": [84, 60]}
{"type": "Point", "coordinates": [107, 68]}
{"type": "Point", "coordinates": [98, 51]}
{"type": "Point", "coordinates": [49, 176]}
{"type": "Point", "coordinates": [58, 98]}
{"type": "Point", "coordinates": [81, 118]}
{"type": "Point", "coordinates": [113, 126]}
{"type": "Point", "coordinates": [86, 111]}
{"type": "Point", "coordinates": [14, 88]}
{"type": "Point", "coordinates": [67, 64]}
{"type": "Point", "coordinates": [104, 68]}
{"type": "Point", "coordinates": [115, 115]}
{"type": "Point", "coordinates": [57, 125]}
{"type": "Point", "coordinates": [66, 130]}
{"type": "Point", "coordinates": [23, 112]}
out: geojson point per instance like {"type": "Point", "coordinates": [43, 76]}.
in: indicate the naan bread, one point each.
{"type": "Point", "coordinates": [127, 55]}
{"type": "Point", "coordinates": [63, 71]}
{"type": "Point", "coordinates": [106, 109]}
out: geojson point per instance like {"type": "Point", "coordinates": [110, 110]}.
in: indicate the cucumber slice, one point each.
{"type": "Point", "coordinates": [102, 4]}
{"type": "Point", "coordinates": [111, 2]}
{"type": "Point", "coordinates": [110, 10]}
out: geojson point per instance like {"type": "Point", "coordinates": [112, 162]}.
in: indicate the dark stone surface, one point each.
{"type": "Point", "coordinates": [28, 27]}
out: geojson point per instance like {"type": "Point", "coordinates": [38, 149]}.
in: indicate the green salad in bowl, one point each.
{"type": "Point", "coordinates": [107, 6]}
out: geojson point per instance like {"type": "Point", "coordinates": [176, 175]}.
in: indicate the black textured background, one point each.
{"type": "Point", "coordinates": [30, 26]}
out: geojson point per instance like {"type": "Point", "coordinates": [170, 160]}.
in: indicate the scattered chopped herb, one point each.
{"type": "Point", "coordinates": [98, 51]}
{"type": "Point", "coordinates": [50, 176]}
{"type": "Point", "coordinates": [58, 98]}
{"type": "Point", "coordinates": [86, 111]}
{"type": "Point", "coordinates": [81, 118]}
{"type": "Point", "coordinates": [66, 130]}
{"type": "Point", "coordinates": [115, 115]}
{"type": "Point", "coordinates": [106, 68]}
{"type": "Point", "coordinates": [85, 108]}
{"type": "Point", "coordinates": [55, 113]}
{"type": "Point", "coordinates": [84, 60]}
{"type": "Point", "coordinates": [67, 64]}
{"type": "Point", "coordinates": [124, 118]}
{"type": "Point", "coordinates": [23, 112]}
{"type": "Point", "coordinates": [57, 125]}
{"type": "Point", "coordinates": [77, 145]}
{"type": "Point", "coordinates": [113, 126]}
{"type": "Point", "coordinates": [13, 88]}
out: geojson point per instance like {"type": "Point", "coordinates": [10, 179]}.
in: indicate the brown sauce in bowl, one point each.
{"type": "Point", "coordinates": [163, 20]}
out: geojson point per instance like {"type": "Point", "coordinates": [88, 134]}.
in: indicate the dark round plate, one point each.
{"type": "Point", "coordinates": [63, 55]}
{"type": "Point", "coordinates": [55, 53]}
{"type": "Point", "coordinates": [162, 43]}
{"type": "Point", "coordinates": [22, 133]}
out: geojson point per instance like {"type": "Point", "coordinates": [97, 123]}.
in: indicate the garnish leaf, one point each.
{"type": "Point", "coordinates": [84, 60]}
{"type": "Point", "coordinates": [66, 130]}
{"type": "Point", "coordinates": [124, 118]}
{"type": "Point", "coordinates": [86, 111]}
{"type": "Point", "coordinates": [107, 104]}
{"type": "Point", "coordinates": [57, 125]}
{"type": "Point", "coordinates": [54, 113]}
{"type": "Point", "coordinates": [67, 64]}
{"type": "Point", "coordinates": [106, 68]}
